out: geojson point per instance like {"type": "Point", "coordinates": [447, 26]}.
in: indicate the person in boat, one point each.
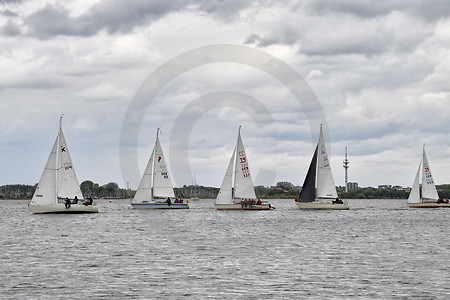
{"type": "Point", "coordinates": [67, 203]}
{"type": "Point", "coordinates": [75, 200]}
{"type": "Point", "coordinates": [338, 201]}
{"type": "Point", "coordinates": [169, 201]}
{"type": "Point", "coordinates": [296, 199]}
{"type": "Point", "coordinates": [259, 202]}
{"type": "Point", "coordinates": [90, 202]}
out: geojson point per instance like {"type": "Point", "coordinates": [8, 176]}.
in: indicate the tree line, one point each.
{"type": "Point", "coordinates": [282, 190]}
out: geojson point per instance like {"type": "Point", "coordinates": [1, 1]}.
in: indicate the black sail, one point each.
{"type": "Point", "coordinates": [308, 192]}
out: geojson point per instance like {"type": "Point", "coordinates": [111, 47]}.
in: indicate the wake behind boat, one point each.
{"type": "Point", "coordinates": [237, 191]}
{"type": "Point", "coordinates": [155, 190]}
{"type": "Point", "coordinates": [58, 190]}
{"type": "Point", "coordinates": [425, 195]}
{"type": "Point", "coordinates": [318, 190]}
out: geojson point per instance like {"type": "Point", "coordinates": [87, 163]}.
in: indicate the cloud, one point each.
{"type": "Point", "coordinates": [226, 10]}
{"type": "Point", "coordinates": [430, 11]}
{"type": "Point", "coordinates": [112, 16]}
{"type": "Point", "coordinates": [380, 71]}
{"type": "Point", "coordinates": [11, 29]}
{"type": "Point", "coordinates": [8, 13]}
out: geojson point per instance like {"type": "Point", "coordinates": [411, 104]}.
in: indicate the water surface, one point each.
{"type": "Point", "coordinates": [380, 249]}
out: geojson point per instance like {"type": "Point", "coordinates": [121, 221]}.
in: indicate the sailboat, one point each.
{"type": "Point", "coordinates": [237, 191]}
{"type": "Point", "coordinates": [425, 195]}
{"type": "Point", "coordinates": [194, 190]}
{"type": "Point", "coordinates": [58, 190]}
{"type": "Point", "coordinates": [155, 190]}
{"type": "Point", "coordinates": [318, 190]}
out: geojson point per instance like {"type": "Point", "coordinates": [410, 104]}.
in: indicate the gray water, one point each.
{"type": "Point", "coordinates": [379, 249]}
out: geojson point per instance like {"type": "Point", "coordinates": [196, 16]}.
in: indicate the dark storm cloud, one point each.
{"type": "Point", "coordinates": [120, 16]}
{"type": "Point", "coordinates": [429, 11]}
{"type": "Point", "coordinates": [113, 16]}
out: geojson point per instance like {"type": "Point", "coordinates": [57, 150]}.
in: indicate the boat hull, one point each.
{"type": "Point", "coordinates": [61, 209]}
{"type": "Point", "coordinates": [159, 206]}
{"type": "Point", "coordinates": [321, 205]}
{"type": "Point", "coordinates": [240, 207]}
{"type": "Point", "coordinates": [428, 205]}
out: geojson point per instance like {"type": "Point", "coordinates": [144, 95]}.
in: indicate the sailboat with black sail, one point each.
{"type": "Point", "coordinates": [318, 190]}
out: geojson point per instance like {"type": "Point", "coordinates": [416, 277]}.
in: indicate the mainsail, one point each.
{"type": "Point", "coordinates": [68, 186]}
{"type": "Point", "coordinates": [162, 185]}
{"type": "Point", "coordinates": [325, 182]}
{"type": "Point", "coordinates": [428, 188]}
{"type": "Point", "coordinates": [243, 184]}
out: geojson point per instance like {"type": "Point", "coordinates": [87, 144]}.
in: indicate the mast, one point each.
{"type": "Point", "coordinates": [346, 162]}
{"type": "Point", "coordinates": [57, 157]}
{"type": "Point", "coordinates": [234, 164]}
{"type": "Point", "coordinates": [153, 164]}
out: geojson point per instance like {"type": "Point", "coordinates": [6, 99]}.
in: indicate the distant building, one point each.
{"type": "Point", "coordinates": [352, 185]}
{"type": "Point", "coordinates": [385, 186]}
{"type": "Point", "coordinates": [400, 188]}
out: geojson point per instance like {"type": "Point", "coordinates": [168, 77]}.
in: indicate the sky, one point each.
{"type": "Point", "coordinates": [374, 73]}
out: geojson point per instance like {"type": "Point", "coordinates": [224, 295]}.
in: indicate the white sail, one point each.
{"type": "Point", "coordinates": [144, 191]}
{"type": "Point", "coordinates": [325, 182]}
{"type": "Point", "coordinates": [68, 185]}
{"type": "Point", "coordinates": [428, 188]}
{"type": "Point", "coordinates": [162, 185]}
{"type": "Point", "coordinates": [225, 195]}
{"type": "Point", "coordinates": [243, 184]}
{"type": "Point", "coordinates": [45, 192]}
{"type": "Point", "coordinates": [414, 195]}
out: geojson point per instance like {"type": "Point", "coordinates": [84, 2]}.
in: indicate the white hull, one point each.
{"type": "Point", "coordinates": [321, 205]}
{"type": "Point", "coordinates": [264, 206]}
{"type": "Point", "coordinates": [428, 205]}
{"type": "Point", "coordinates": [159, 206]}
{"type": "Point", "coordinates": [61, 209]}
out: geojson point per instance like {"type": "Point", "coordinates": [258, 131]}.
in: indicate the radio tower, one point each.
{"type": "Point", "coordinates": [346, 170]}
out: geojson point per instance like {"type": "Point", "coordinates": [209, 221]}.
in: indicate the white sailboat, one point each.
{"type": "Point", "coordinates": [425, 195]}
{"type": "Point", "coordinates": [237, 191]}
{"type": "Point", "coordinates": [155, 190]}
{"type": "Point", "coordinates": [58, 190]}
{"type": "Point", "coordinates": [194, 190]}
{"type": "Point", "coordinates": [318, 190]}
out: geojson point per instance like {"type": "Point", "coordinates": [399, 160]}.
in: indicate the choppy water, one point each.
{"type": "Point", "coordinates": [379, 249]}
